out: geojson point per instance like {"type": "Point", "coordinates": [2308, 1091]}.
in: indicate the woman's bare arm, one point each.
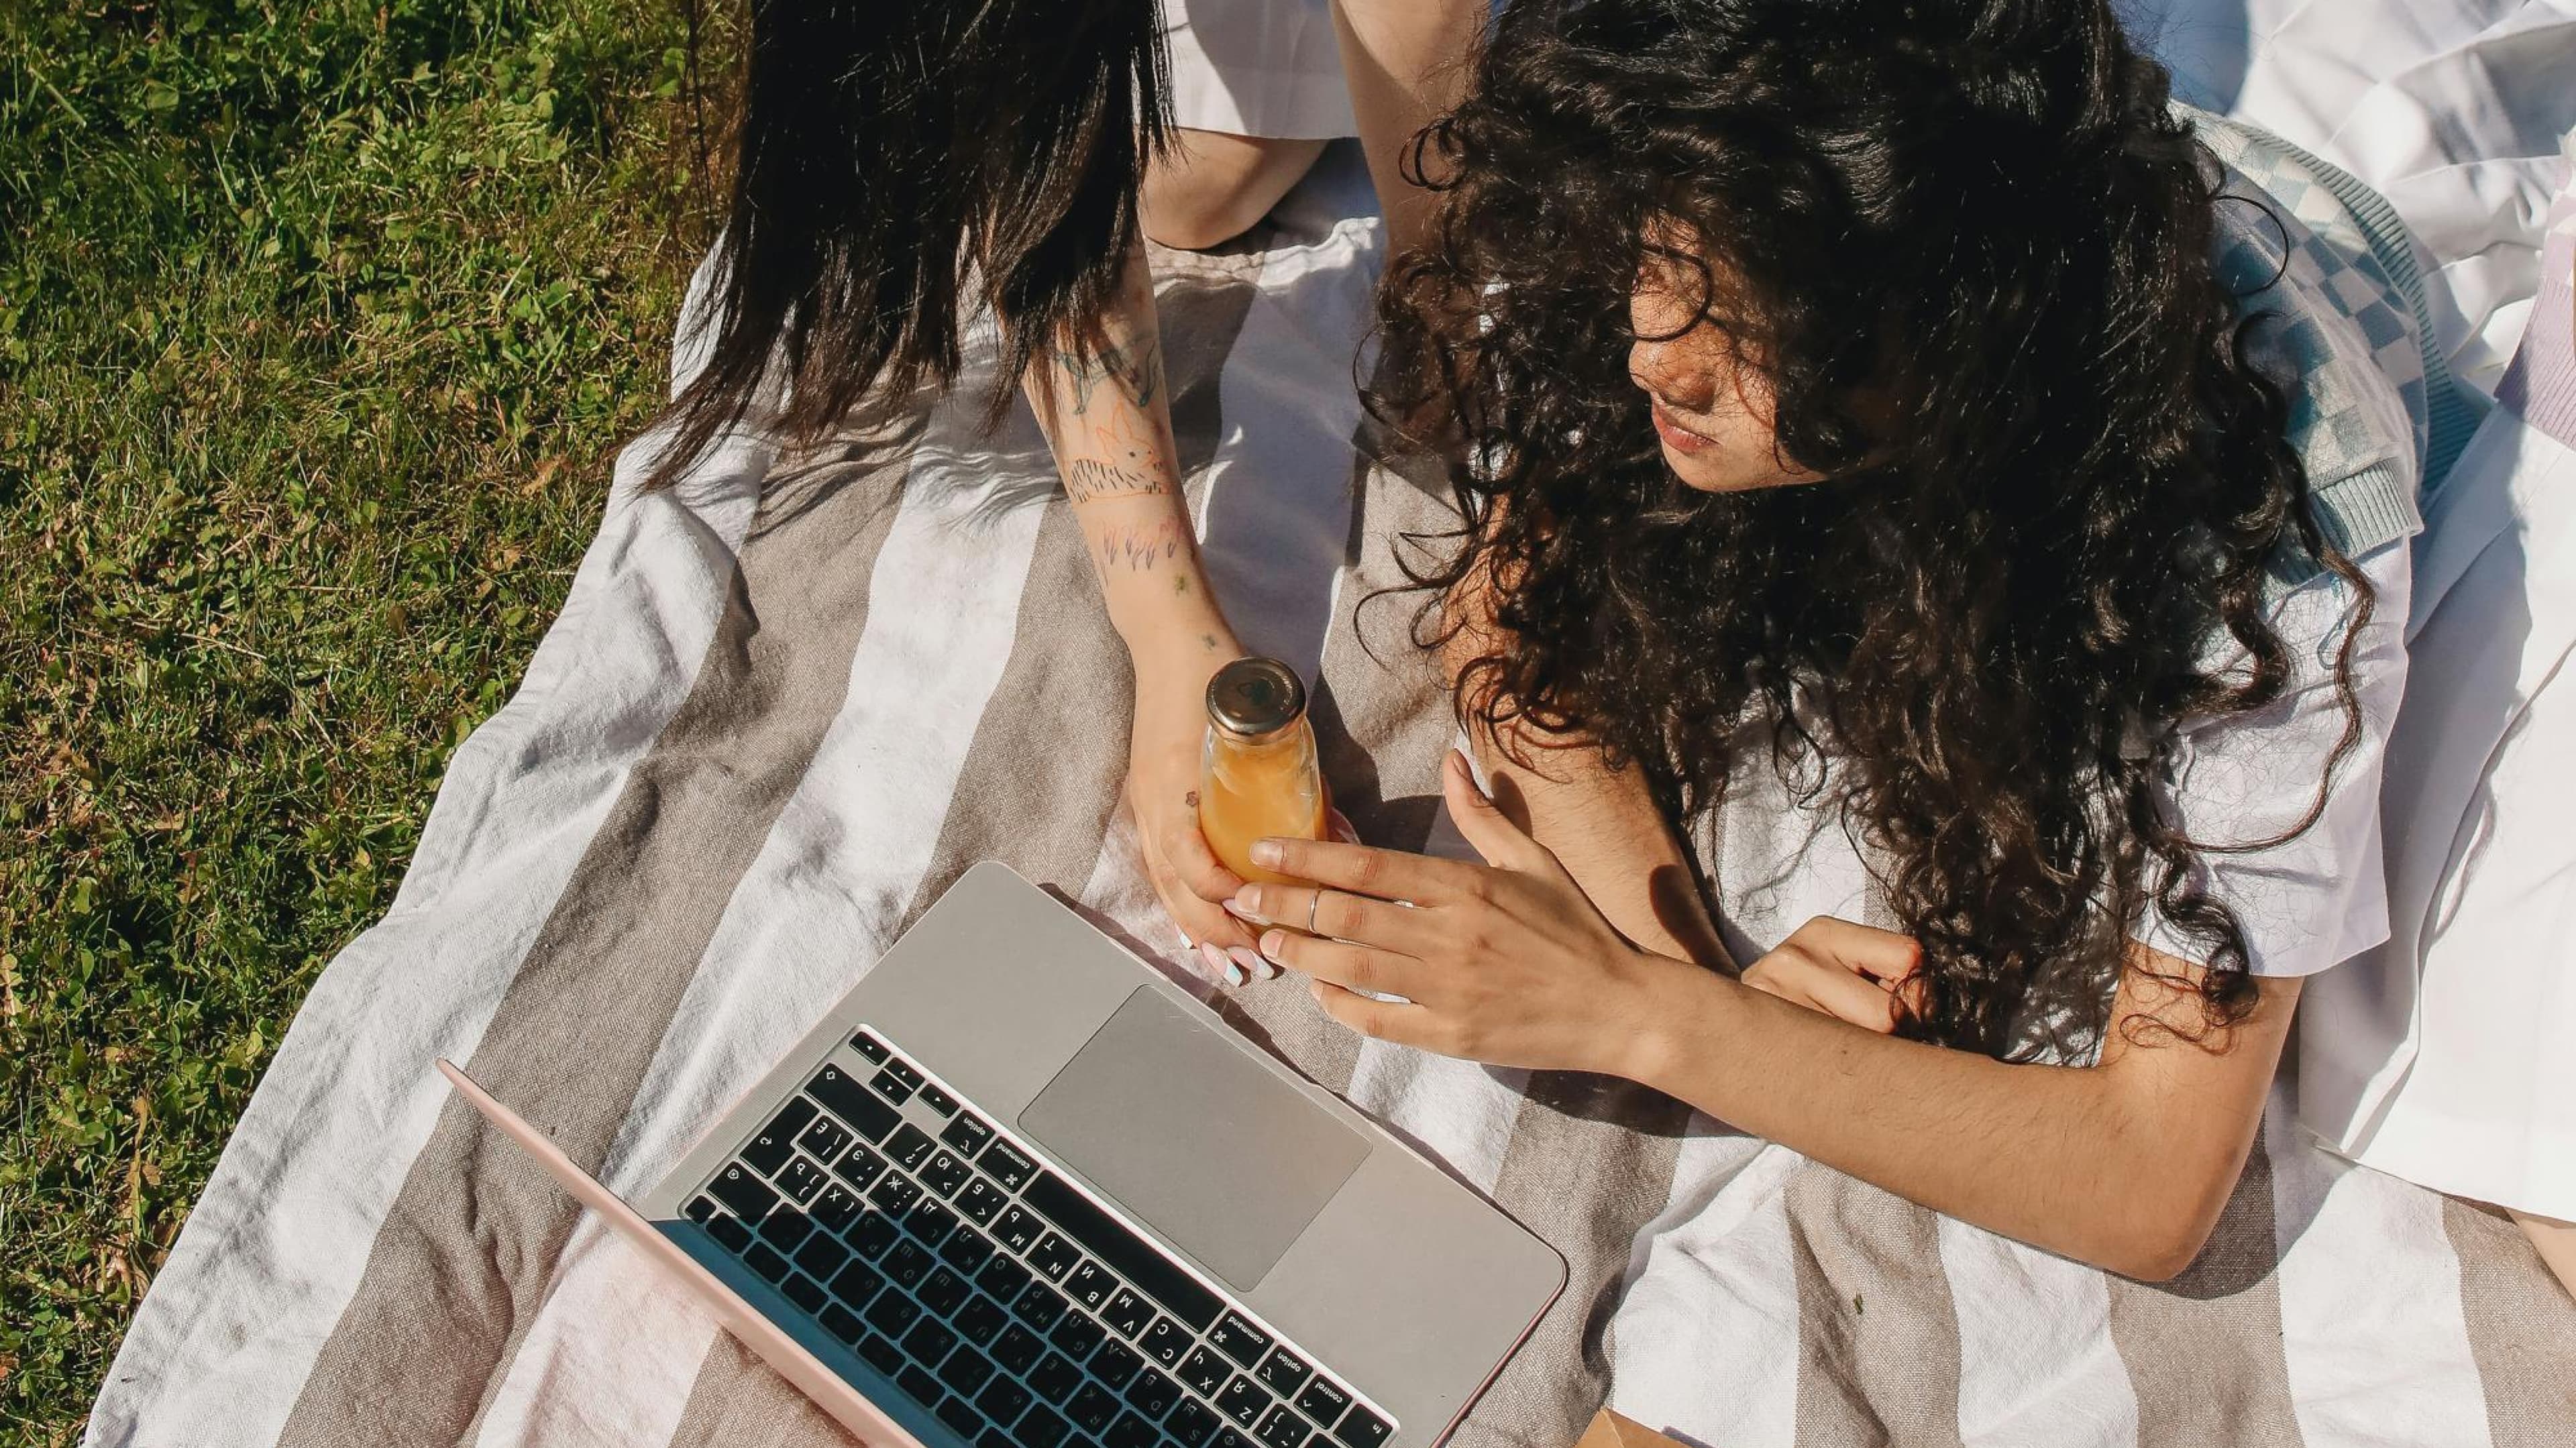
{"type": "Point", "coordinates": [1601, 822]}
{"type": "Point", "coordinates": [1406, 62]}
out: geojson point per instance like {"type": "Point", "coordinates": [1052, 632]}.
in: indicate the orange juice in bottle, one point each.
{"type": "Point", "coordinates": [1257, 773]}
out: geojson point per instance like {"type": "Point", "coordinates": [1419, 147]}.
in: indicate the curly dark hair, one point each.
{"type": "Point", "coordinates": [1969, 246]}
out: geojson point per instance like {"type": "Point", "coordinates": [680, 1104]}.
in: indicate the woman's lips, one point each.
{"type": "Point", "coordinates": [1677, 437]}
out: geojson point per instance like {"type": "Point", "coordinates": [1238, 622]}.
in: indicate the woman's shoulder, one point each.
{"type": "Point", "coordinates": [2331, 324]}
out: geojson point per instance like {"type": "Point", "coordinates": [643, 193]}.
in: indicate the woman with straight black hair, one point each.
{"type": "Point", "coordinates": [904, 167]}
{"type": "Point", "coordinates": [1902, 454]}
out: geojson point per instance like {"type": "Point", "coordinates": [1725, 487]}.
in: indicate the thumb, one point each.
{"type": "Point", "coordinates": [1484, 825]}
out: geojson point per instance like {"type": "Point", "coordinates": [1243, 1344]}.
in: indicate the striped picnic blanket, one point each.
{"type": "Point", "coordinates": [792, 699]}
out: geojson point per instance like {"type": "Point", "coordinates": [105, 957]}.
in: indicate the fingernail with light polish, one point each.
{"type": "Point", "coordinates": [1250, 963]}
{"type": "Point", "coordinates": [1234, 974]}
{"type": "Point", "coordinates": [1246, 905]}
{"type": "Point", "coordinates": [1272, 943]}
{"type": "Point", "coordinates": [1217, 964]}
{"type": "Point", "coordinates": [1267, 852]}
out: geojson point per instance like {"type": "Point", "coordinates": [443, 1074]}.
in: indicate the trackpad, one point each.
{"type": "Point", "coordinates": [1194, 1136]}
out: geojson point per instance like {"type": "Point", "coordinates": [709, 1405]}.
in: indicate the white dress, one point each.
{"type": "Point", "coordinates": [2448, 1056]}
{"type": "Point", "coordinates": [1257, 68]}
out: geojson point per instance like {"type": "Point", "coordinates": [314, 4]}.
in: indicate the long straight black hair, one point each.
{"type": "Point", "coordinates": [899, 165]}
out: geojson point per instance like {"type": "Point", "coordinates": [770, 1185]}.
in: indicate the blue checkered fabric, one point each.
{"type": "Point", "coordinates": [2331, 278]}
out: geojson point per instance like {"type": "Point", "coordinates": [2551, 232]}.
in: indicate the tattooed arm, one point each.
{"type": "Point", "coordinates": [1110, 425]}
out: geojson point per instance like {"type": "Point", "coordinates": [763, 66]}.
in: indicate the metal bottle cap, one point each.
{"type": "Point", "coordinates": [1253, 697]}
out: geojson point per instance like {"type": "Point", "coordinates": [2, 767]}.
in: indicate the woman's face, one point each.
{"type": "Point", "coordinates": [1713, 408]}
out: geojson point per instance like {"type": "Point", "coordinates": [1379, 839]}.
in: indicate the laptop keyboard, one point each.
{"type": "Point", "coordinates": [1016, 1310]}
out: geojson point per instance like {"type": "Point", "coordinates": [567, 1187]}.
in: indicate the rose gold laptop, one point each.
{"type": "Point", "coordinates": [1018, 1190]}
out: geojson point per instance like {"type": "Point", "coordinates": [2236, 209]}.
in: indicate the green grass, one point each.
{"type": "Point", "coordinates": [318, 326]}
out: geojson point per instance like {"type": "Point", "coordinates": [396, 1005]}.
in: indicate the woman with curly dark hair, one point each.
{"type": "Point", "coordinates": [1897, 450]}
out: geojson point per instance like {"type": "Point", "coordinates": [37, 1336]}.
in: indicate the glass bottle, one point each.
{"type": "Point", "coordinates": [1257, 774]}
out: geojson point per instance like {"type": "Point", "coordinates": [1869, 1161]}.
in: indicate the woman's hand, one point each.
{"type": "Point", "coordinates": [1857, 973]}
{"type": "Point", "coordinates": [1507, 963]}
{"type": "Point", "coordinates": [1163, 760]}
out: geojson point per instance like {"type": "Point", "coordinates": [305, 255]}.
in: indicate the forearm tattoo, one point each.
{"type": "Point", "coordinates": [1146, 547]}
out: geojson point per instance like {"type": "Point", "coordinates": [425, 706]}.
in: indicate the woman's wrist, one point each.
{"type": "Point", "coordinates": [1680, 1014]}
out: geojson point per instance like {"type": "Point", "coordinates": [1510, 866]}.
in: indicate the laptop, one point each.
{"type": "Point", "coordinates": [1019, 1190]}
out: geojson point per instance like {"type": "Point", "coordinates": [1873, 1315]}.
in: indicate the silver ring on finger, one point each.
{"type": "Point", "coordinates": [1311, 902]}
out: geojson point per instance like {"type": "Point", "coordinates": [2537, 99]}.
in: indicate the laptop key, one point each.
{"type": "Point", "coordinates": [1018, 1228]}
{"type": "Point", "coordinates": [1077, 1335]}
{"type": "Point", "coordinates": [1284, 1373]}
{"type": "Point", "coordinates": [943, 1291]}
{"type": "Point", "coordinates": [856, 1283]}
{"type": "Point", "coordinates": [1239, 1339]}
{"type": "Point", "coordinates": [981, 1201]}
{"type": "Point", "coordinates": [801, 1180]}
{"type": "Point", "coordinates": [860, 1169]}
{"type": "Point", "coordinates": [785, 1229]}
{"type": "Point", "coordinates": [1152, 1394]}
{"type": "Point", "coordinates": [1232, 1439]}
{"type": "Point", "coordinates": [930, 1221]}
{"type": "Point", "coordinates": [844, 1324]}
{"type": "Point", "coordinates": [981, 1320]}
{"type": "Point", "coordinates": [1018, 1348]}
{"type": "Point", "coordinates": [882, 1354]}
{"type": "Point", "coordinates": [1192, 1423]}
{"type": "Point", "coordinates": [1093, 1408]}
{"type": "Point", "coordinates": [917, 1381]}
{"type": "Point", "coordinates": [1362, 1429]}
{"type": "Point", "coordinates": [826, 1139]}
{"type": "Point", "coordinates": [938, 1100]}
{"type": "Point", "coordinates": [702, 1210]}
{"type": "Point", "coordinates": [1322, 1401]}
{"type": "Point", "coordinates": [1055, 1377]}
{"type": "Point", "coordinates": [1004, 1399]}
{"type": "Point", "coordinates": [907, 1264]}
{"type": "Point", "coordinates": [1003, 1278]}
{"type": "Point", "coordinates": [946, 1174]}
{"type": "Point", "coordinates": [966, 1370]}
{"type": "Point", "coordinates": [909, 1147]}
{"type": "Point", "coordinates": [1038, 1305]}
{"type": "Point", "coordinates": [1041, 1429]}
{"type": "Point", "coordinates": [731, 1233]}
{"type": "Point", "coordinates": [1090, 1285]}
{"type": "Point", "coordinates": [806, 1293]}
{"type": "Point", "coordinates": [904, 1071]}
{"type": "Point", "coordinates": [768, 1148]}
{"type": "Point", "coordinates": [747, 1195]}
{"type": "Point", "coordinates": [1115, 1363]}
{"type": "Point", "coordinates": [836, 1208]}
{"type": "Point", "coordinates": [1130, 1431]}
{"type": "Point", "coordinates": [967, 1133]}
{"type": "Point", "coordinates": [995, 1438]}
{"type": "Point", "coordinates": [1282, 1429]}
{"type": "Point", "coordinates": [765, 1262]}
{"type": "Point", "coordinates": [967, 1250]}
{"type": "Point", "coordinates": [844, 1098]}
{"type": "Point", "coordinates": [1205, 1371]}
{"type": "Point", "coordinates": [874, 1233]}
{"type": "Point", "coordinates": [896, 1194]}
{"type": "Point", "coordinates": [870, 1047]}
{"type": "Point", "coordinates": [1165, 1341]}
{"type": "Point", "coordinates": [892, 1313]}
{"type": "Point", "coordinates": [959, 1414]}
{"type": "Point", "coordinates": [1242, 1400]}
{"type": "Point", "coordinates": [1008, 1164]}
{"type": "Point", "coordinates": [1128, 1312]}
{"type": "Point", "coordinates": [1054, 1256]}
{"type": "Point", "coordinates": [929, 1340]}
{"type": "Point", "coordinates": [890, 1086]}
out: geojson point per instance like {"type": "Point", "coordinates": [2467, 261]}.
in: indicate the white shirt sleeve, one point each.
{"type": "Point", "coordinates": [2320, 897]}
